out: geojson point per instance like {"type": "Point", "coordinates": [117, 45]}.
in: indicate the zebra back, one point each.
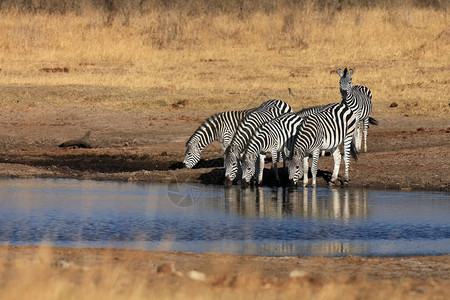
{"type": "Point", "coordinates": [265, 112]}
{"type": "Point", "coordinates": [324, 130]}
{"type": "Point", "coordinates": [274, 133]}
{"type": "Point", "coordinates": [312, 110]}
{"type": "Point", "coordinates": [219, 127]}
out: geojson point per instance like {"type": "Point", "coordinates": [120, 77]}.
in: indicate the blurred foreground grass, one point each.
{"type": "Point", "coordinates": [29, 272]}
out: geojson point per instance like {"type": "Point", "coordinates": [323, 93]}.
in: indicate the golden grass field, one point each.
{"type": "Point", "coordinates": [221, 61]}
{"type": "Point", "coordinates": [146, 61]}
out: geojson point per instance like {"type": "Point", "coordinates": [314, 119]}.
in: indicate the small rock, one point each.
{"type": "Point", "coordinates": [180, 104]}
{"type": "Point", "coordinates": [165, 269]}
{"type": "Point", "coordinates": [62, 264]}
{"type": "Point", "coordinates": [195, 275]}
{"type": "Point", "coordinates": [393, 104]}
{"type": "Point", "coordinates": [420, 129]}
{"type": "Point", "coordinates": [298, 274]}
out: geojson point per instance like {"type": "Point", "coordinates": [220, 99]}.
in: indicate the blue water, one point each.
{"type": "Point", "coordinates": [199, 218]}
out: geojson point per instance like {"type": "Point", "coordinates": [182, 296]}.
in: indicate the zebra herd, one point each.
{"type": "Point", "coordinates": [247, 136]}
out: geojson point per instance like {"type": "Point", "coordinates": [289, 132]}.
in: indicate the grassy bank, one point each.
{"type": "Point", "coordinates": [149, 58]}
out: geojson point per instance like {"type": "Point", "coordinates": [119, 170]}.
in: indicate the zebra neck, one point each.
{"type": "Point", "coordinates": [255, 147]}
{"type": "Point", "coordinates": [206, 134]}
{"type": "Point", "coordinates": [300, 147]}
{"type": "Point", "coordinates": [348, 99]}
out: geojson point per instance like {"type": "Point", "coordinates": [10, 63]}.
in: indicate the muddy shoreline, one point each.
{"type": "Point", "coordinates": [409, 153]}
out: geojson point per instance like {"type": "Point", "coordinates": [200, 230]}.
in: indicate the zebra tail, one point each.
{"type": "Point", "coordinates": [353, 150]}
{"type": "Point", "coordinates": [373, 121]}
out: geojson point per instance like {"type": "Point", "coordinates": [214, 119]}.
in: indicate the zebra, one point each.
{"type": "Point", "coordinates": [219, 127]}
{"type": "Point", "coordinates": [265, 112]}
{"type": "Point", "coordinates": [359, 99]}
{"type": "Point", "coordinates": [270, 137]}
{"type": "Point", "coordinates": [312, 110]}
{"type": "Point", "coordinates": [324, 130]}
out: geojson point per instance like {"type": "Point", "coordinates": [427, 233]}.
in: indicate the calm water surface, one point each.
{"type": "Point", "coordinates": [199, 218]}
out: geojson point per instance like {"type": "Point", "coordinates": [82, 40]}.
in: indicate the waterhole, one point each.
{"type": "Point", "coordinates": [201, 218]}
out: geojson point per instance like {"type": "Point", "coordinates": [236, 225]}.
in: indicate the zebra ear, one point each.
{"type": "Point", "coordinates": [340, 72]}
{"type": "Point", "coordinates": [350, 72]}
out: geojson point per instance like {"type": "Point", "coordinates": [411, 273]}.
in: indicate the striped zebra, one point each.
{"type": "Point", "coordinates": [271, 137]}
{"type": "Point", "coordinates": [265, 112]}
{"type": "Point", "coordinates": [359, 99]}
{"type": "Point", "coordinates": [325, 130]}
{"type": "Point", "coordinates": [312, 110]}
{"type": "Point", "coordinates": [219, 127]}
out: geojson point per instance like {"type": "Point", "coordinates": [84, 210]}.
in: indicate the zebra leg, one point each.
{"type": "Point", "coordinates": [365, 128]}
{"type": "Point", "coordinates": [316, 155]}
{"type": "Point", "coordinates": [305, 170]}
{"type": "Point", "coordinates": [347, 145]}
{"type": "Point", "coordinates": [358, 136]}
{"type": "Point", "coordinates": [275, 166]}
{"type": "Point", "coordinates": [261, 168]}
{"type": "Point", "coordinates": [337, 163]}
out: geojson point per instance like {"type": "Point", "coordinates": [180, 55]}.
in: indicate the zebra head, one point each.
{"type": "Point", "coordinates": [231, 163]}
{"type": "Point", "coordinates": [345, 82]}
{"type": "Point", "coordinates": [248, 166]}
{"type": "Point", "coordinates": [192, 155]}
{"type": "Point", "coordinates": [295, 168]}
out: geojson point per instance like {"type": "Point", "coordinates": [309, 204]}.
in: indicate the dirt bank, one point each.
{"type": "Point", "coordinates": [404, 152]}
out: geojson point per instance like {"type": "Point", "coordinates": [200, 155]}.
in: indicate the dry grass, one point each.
{"type": "Point", "coordinates": [222, 61]}
{"type": "Point", "coordinates": [41, 273]}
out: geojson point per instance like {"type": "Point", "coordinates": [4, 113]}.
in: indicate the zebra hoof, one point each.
{"type": "Point", "coordinates": [291, 183]}
{"type": "Point", "coordinates": [245, 184]}
{"type": "Point", "coordinates": [345, 182]}
{"type": "Point", "coordinates": [332, 183]}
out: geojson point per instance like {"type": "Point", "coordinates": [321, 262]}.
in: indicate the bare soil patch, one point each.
{"type": "Point", "coordinates": [404, 152]}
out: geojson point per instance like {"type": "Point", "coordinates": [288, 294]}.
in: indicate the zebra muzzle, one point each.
{"type": "Point", "coordinates": [245, 184]}
{"type": "Point", "coordinates": [292, 183]}
{"type": "Point", "coordinates": [228, 181]}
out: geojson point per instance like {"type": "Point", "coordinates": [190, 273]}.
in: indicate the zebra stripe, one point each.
{"type": "Point", "coordinates": [325, 130]}
{"type": "Point", "coordinates": [266, 111]}
{"type": "Point", "coordinates": [359, 99]}
{"type": "Point", "coordinates": [271, 137]}
{"type": "Point", "coordinates": [312, 110]}
{"type": "Point", "coordinates": [219, 127]}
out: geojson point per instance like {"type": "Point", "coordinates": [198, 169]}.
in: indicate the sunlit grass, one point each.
{"type": "Point", "coordinates": [222, 61]}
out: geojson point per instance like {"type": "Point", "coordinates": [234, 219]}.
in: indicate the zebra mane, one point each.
{"type": "Point", "coordinates": [215, 120]}
{"type": "Point", "coordinates": [201, 128]}
{"type": "Point", "coordinates": [345, 72]}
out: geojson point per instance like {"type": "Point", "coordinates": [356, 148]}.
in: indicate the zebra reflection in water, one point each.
{"type": "Point", "coordinates": [334, 203]}
{"type": "Point", "coordinates": [315, 204]}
